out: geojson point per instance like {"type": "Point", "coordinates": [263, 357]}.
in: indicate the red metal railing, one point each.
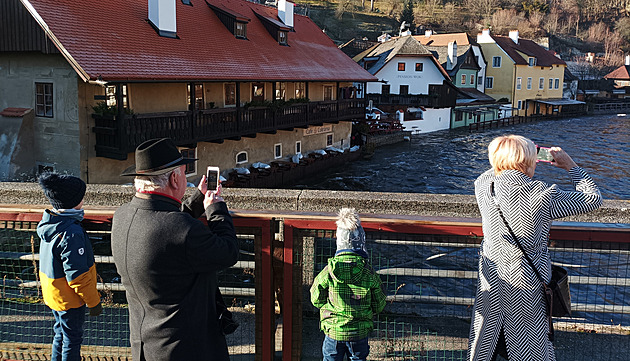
{"type": "Point", "coordinates": [264, 226]}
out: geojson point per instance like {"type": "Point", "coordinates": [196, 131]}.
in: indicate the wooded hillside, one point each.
{"type": "Point", "coordinates": [574, 27]}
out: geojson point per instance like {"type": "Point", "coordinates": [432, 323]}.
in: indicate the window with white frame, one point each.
{"type": "Point", "coordinates": [191, 168]}
{"type": "Point", "coordinates": [282, 37]}
{"type": "Point", "coordinates": [401, 66]}
{"type": "Point", "coordinates": [531, 61]}
{"type": "Point", "coordinates": [541, 83]}
{"type": "Point", "coordinates": [298, 147]}
{"type": "Point", "coordinates": [300, 90]}
{"type": "Point", "coordinates": [557, 84]}
{"type": "Point", "coordinates": [463, 79]}
{"type": "Point", "coordinates": [479, 80]}
{"type": "Point", "coordinates": [240, 30]}
{"type": "Point", "coordinates": [44, 100]}
{"type": "Point", "coordinates": [329, 139]}
{"type": "Point", "coordinates": [277, 150]}
{"type": "Point", "coordinates": [281, 90]}
{"type": "Point", "coordinates": [529, 83]}
{"type": "Point", "coordinates": [328, 92]}
{"type": "Point", "coordinates": [110, 95]}
{"type": "Point", "coordinates": [489, 82]}
{"type": "Point", "coordinates": [550, 83]}
{"type": "Point", "coordinates": [496, 61]}
{"type": "Point", "coordinates": [519, 83]}
{"type": "Point", "coordinates": [241, 157]}
{"type": "Point", "coordinates": [472, 79]}
{"type": "Point", "coordinates": [230, 94]}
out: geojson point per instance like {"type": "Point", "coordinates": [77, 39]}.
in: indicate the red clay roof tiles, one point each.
{"type": "Point", "coordinates": [113, 40]}
{"type": "Point", "coordinates": [543, 57]}
{"type": "Point", "coordinates": [620, 73]}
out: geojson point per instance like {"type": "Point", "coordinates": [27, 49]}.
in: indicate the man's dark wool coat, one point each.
{"type": "Point", "coordinates": [168, 261]}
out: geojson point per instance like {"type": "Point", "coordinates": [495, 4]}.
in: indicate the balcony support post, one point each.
{"type": "Point", "coordinates": [192, 107]}
{"type": "Point", "coordinates": [308, 104]}
{"type": "Point", "coordinates": [193, 97]}
{"type": "Point", "coordinates": [238, 105]}
{"type": "Point", "coordinates": [120, 118]}
{"type": "Point", "coordinates": [338, 97]}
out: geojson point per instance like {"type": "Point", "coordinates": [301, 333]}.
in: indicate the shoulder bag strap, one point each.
{"type": "Point", "coordinates": [518, 243]}
{"type": "Point", "coordinates": [546, 288]}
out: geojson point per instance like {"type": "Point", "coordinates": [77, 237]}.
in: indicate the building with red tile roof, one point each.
{"type": "Point", "coordinates": [192, 70]}
{"type": "Point", "coordinates": [524, 73]}
{"type": "Point", "coordinates": [410, 81]}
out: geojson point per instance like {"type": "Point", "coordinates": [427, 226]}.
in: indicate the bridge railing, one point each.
{"type": "Point", "coordinates": [428, 268]}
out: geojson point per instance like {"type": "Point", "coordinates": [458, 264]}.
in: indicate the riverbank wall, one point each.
{"type": "Point", "coordinates": [379, 140]}
{"type": "Point", "coordinates": [26, 195]}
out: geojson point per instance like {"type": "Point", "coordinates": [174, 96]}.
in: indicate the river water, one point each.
{"type": "Point", "coordinates": [448, 162]}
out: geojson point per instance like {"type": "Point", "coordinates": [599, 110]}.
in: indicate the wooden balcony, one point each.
{"type": "Point", "coordinates": [440, 96]}
{"type": "Point", "coordinates": [116, 137]}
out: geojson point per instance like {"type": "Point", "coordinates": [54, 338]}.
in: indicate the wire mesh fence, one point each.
{"type": "Point", "coordinates": [429, 279]}
{"type": "Point", "coordinates": [430, 283]}
{"type": "Point", "coordinates": [26, 323]}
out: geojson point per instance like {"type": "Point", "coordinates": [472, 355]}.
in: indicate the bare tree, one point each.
{"type": "Point", "coordinates": [612, 44]}
{"type": "Point", "coordinates": [504, 20]}
{"type": "Point", "coordinates": [483, 9]}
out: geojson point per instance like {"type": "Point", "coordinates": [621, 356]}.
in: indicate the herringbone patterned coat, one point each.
{"type": "Point", "coordinates": [509, 295]}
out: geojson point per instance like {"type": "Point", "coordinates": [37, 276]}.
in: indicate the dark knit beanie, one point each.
{"type": "Point", "coordinates": [63, 191]}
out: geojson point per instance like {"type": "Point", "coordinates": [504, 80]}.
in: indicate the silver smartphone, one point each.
{"type": "Point", "coordinates": [543, 155]}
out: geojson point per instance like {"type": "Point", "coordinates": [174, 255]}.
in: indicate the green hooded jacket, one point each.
{"type": "Point", "coordinates": [348, 293]}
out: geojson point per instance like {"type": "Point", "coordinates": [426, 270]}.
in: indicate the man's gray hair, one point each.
{"type": "Point", "coordinates": [154, 182]}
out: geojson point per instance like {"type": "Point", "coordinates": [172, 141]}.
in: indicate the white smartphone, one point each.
{"type": "Point", "coordinates": [212, 178]}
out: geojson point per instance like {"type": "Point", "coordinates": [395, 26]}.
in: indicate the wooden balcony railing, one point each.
{"type": "Point", "coordinates": [440, 96]}
{"type": "Point", "coordinates": [116, 137]}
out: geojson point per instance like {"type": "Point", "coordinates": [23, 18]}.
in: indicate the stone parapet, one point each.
{"type": "Point", "coordinates": [314, 201]}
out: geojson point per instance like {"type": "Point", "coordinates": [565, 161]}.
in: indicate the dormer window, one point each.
{"type": "Point", "coordinates": [532, 61]}
{"type": "Point", "coordinates": [282, 37]}
{"type": "Point", "coordinates": [240, 30]}
{"type": "Point", "coordinates": [277, 29]}
{"type": "Point", "coordinates": [233, 21]}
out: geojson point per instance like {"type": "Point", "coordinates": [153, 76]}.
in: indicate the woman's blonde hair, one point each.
{"type": "Point", "coordinates": [512, 152]}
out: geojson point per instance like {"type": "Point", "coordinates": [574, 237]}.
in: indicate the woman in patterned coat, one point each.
{"type": "Point", "coordinates": [510, 302]}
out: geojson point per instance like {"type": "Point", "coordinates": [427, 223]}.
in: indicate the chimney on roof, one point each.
{"type": "Point", "coordinates": [162, 17]}
{"type": "Point", "coordinates": [383, 38]}
{"type": "Point", "coordinates": [428, 33]}
{"type": "Point", "coordinates": [627, 59]}
{"type": "Point", "coordinates": [514, 36]}
{"type": "Point", "coordinates": [484, 37]}
{"type": "Point", "coordinates": [451, 61]}
{"type": "Point", "coordinates": [285, 12]}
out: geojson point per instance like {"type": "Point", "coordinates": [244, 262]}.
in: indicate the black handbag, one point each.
{"type": "Point", "coordinates": [557, 293]}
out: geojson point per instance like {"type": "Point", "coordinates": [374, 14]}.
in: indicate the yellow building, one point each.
{"type": "Point", "coordinates": [526, 74]}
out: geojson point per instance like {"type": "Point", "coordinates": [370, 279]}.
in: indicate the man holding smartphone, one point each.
{"type": "Point", "coordinates": [168, 259]}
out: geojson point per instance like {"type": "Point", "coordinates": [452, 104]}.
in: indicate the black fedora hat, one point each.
{"type": "Point", "coordinates": [156, 156]}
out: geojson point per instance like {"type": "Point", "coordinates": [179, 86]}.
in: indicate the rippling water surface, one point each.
{"type": "Point", "coordinates": [449, 161]}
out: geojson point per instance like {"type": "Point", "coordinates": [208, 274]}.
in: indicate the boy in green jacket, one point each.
{"type": "Point", "coordinates": [348, 293]}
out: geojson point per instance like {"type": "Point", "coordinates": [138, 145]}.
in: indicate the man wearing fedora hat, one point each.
{"type": "Point", "coordinates": [168, 259]}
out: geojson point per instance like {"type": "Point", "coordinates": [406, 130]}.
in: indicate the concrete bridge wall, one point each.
{"type": "Point", "coordinates": [312, 201]}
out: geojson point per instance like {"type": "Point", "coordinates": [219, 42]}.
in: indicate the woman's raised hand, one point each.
{"type": "Point", "coordinates": [561, 158]}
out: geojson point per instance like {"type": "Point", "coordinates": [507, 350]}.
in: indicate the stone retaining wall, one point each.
{"type": "Point", "coordinates": [313, 201]}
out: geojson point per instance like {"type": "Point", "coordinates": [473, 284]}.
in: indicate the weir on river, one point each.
{"type": "Point", "coordinates": [448, 162]}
